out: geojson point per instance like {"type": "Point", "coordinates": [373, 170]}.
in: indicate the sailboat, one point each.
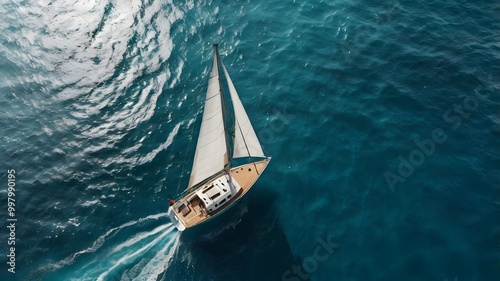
{"type": "Point", "coordinates": [216, 183]}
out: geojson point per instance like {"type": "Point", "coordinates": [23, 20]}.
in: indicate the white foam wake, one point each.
{"type": "Point", "coordinates": [141, 236]}
{"type": "Point", "coordinates": [130, 257]}
{"type": "Point", "coordinates": [100, 241]}
{"type": "Point", "coordinates": [160, 262]}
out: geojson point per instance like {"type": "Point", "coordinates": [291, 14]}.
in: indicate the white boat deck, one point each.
{"type": "Point", "coordinates": [194, 213]}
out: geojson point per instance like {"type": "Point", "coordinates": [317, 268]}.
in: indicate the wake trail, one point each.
{"type": "Point", "coordinates": [140, 236]}
{"type": "Point", "coordinates": [128, 257]}
{"type": "Point", "coordinates": [99, 242]}
{"type": "Point", "coordinates": [160, 262]}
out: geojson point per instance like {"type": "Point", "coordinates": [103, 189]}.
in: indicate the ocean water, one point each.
{"type": "Point", "coordinates": [382, 118]}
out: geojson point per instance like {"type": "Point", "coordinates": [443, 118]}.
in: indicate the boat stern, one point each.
{"type": "Point", "coordinates": [175, 220]}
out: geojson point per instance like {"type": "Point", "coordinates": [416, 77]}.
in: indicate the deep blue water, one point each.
{"type": "Point", "coordinates": [382, 118]}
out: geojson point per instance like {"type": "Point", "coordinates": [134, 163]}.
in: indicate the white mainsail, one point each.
{"type": "Point", "coordinates": [246, 143]}
{"type": "Point", "coordinates": [211, 151]}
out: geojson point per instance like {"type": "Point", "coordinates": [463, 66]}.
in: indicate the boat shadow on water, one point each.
{"type": "Point", "coordinates": [245, 243]}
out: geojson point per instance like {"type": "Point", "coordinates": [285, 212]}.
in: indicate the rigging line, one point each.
{"type": "Point", "coordinates": [228, 112]}
{"type": "Point", "coordinates": [225, 104]}
{"type": "Point", "coordinates": [246, 146]}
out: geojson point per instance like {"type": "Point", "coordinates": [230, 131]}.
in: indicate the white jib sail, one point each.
{"type": "Point", "coordinates": [246, 143]}
{"type": "Point", "coordinates": [211, 155]}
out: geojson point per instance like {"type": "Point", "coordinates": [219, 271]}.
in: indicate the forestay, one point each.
{"type": "Point", "coordinates": [246, 143]}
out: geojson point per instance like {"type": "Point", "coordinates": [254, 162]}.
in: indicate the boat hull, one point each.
{"type": "Point", "coordinates": [244, 175]}
{"type": "Point", "coordinates": [212, 228]}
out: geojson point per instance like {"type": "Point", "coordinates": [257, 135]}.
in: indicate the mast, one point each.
{"type": "Point", "coordinates": [211, 155]}
{"type": "Point", "coordinates": [229, 157]}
